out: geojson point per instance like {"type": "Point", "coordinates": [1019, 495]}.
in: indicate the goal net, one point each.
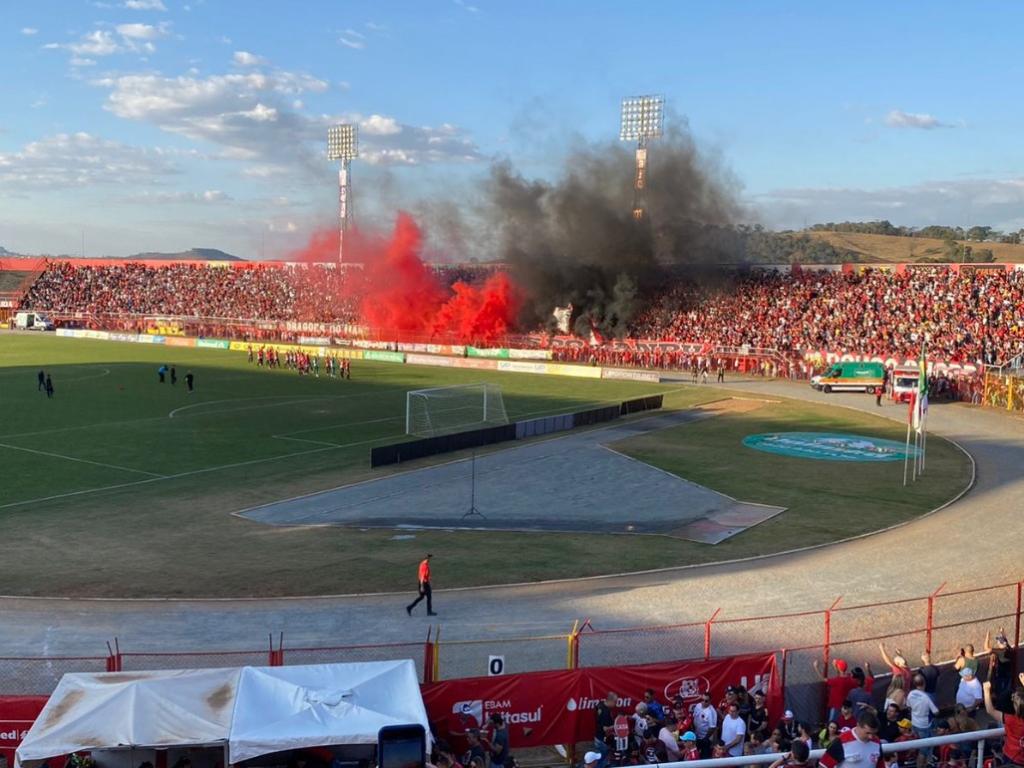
{"type": "Point", "coordinates": [439, 411]}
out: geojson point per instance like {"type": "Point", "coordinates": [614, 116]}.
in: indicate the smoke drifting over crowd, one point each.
{"type": "Point", "coordinates": [573, 240]}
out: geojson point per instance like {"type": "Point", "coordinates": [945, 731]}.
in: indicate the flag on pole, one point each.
{"type": "Point", "coordinates": [920, 402]}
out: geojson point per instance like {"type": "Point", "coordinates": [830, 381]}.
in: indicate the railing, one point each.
{"type": "Point", "coordinates": [980, 737]}
{"type": "Point", "coordinates": [937, 623]}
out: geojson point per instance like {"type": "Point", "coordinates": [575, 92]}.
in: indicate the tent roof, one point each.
{"type": "Point", "coordinates": [255, 710]}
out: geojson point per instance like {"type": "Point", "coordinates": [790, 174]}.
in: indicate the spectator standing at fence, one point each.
{"type": "Point", "coordinates": [1000, 664]}
{"type": "Point", "coordinates": [966, 660]}
{"type": "Point", "coordinates": [930, 673]}
{"type": "Point", "coordinates": [861, 694]}
{"type": "Point", "coordinates": [705, 723]}
{"type": "Point", "coordinates": [425, 591]}
{"type": "Point", "coordinates": [897, 665]}
{"type": "Point", "coordinates": [968, 693]}
{"type": "Point", "coordinates": [734, 730]}
{"type": "Point", "coordinates": [838, 687]}
{"type": "Point", "coordinates": [922, 709]}
{"type": "Point", "coordinates": [858, 747]}
{"type": "Point", "coordinates": [1012, 720]}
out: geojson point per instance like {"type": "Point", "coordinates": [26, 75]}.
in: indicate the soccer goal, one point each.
{"type": "Point", "coordinates": [439, 411]}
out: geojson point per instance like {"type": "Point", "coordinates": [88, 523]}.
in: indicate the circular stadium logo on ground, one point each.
{"type": "Point", "coordinates": [828, 446]}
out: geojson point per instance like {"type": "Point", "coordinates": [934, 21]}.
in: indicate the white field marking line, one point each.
{"type": "Point", "coordinates": [303, 440]}
{"type": "Point", "coordinates": [330, 447]}
{"type": "Point", "coordinates": [256, 461]}
{"type": "Point", "coordinates": [292, 400]}
{"type": "Point", "coordinates": [543, 439]}
{"type": "Point", "coordinates": [82, 461]}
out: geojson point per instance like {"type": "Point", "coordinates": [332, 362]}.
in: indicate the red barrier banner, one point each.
{"type": "Point", "coordinates": [547, 708]}
{"type": "Point", "coordinates": [17, 713]}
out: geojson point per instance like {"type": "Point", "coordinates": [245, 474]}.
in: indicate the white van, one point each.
{"type": "Point", "coordinates": [32, 321]}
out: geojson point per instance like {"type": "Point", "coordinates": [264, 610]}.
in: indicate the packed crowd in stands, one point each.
{"type": "Point", "coordinates": [904, 704]}
{"type": "Point", "coordinates": [311, 293]}
{"type": "Point", "coordinates": [968, 317]}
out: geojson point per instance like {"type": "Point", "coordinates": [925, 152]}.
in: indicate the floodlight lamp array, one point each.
{"type": "Point", "coordinates": [642, 117]}
{"type": "Point", "coordinates": [342, 142]}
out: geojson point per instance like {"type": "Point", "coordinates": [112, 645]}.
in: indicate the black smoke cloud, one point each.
{"type": "Point", "coordinates": [575, 239]}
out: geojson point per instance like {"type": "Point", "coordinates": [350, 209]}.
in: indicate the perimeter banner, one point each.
{"type": "Point", "coordinates": [17, 713]}
{"type": "Point", "coordinates": [547, 708]}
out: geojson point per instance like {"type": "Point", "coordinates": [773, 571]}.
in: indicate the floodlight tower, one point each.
{"type": "Point", "coordinates": [643, 118]}
{"type": "Point", "coordinates": [343, 145]}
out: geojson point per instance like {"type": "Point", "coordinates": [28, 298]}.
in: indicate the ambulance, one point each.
{"type": "Point", "coordinates": [32, 321]}
{"type": "Point", "coordinates": [904, 382]}
{"type": "Point", "coordinates": [850, 377]}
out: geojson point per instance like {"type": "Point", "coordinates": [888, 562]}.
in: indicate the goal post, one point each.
{"type": "Point", "coordinates": [442, 410]}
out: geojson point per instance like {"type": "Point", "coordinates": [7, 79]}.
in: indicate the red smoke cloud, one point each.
{"type": "Point", "coordinates": [402, 299]}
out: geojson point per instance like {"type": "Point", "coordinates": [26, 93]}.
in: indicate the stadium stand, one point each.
{"type": "Point", "coordinates": [969, 316]}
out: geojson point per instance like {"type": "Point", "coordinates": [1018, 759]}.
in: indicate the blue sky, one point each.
{"type": "Point", "coordinates": [162, 124]}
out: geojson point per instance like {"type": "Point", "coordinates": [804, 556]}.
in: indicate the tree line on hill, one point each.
{"type": "Point", "coordinates": [977, 234]}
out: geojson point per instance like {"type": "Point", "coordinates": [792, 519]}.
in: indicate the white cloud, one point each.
{"type": "Point", "coordinates": [900, 119]}
{"type": "Point", "coordinates": [102, 42]}
{"type": "Point", "coordinates": [78, 61]}
{"type": "Point", "coordinates": [29, 31]}
{"type": "Point", "coordinates": [375, 27]}
{"type": "Point", "coordinates": [246, 59]}
{"type": "Point", "coordinates": [80, 160]}
{"type": "Point", "coordinates": [145, 5]}
{"type": "Point", "coordinates": [351, 42]}
{"type": "Point", "coordinates": [256, 118]}
{"type": "Point", "coordinates": [142, 31]}
{"type": "Point", "coordinates": [208, 196]}
{"type": "Point", "coordinates": [994, 202]}
{"type": "Point", "coordinates": [99, 42]}
{"type": "Point", "coordinates": [467, 7]}
{"type": "Point", "coordinates": [378, 125]}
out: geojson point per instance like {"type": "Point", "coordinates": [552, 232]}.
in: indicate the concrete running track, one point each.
{"type": "Point", "coordinates": [973, 542]}
{"type": "Point", "coordinates": [610, 492]}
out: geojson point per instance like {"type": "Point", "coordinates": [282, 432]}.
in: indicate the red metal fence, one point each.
{"type": "Point", "coordinates": [940, 622]}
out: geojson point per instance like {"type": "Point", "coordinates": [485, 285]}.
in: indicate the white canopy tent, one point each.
{"type": "Point", "coordinates": [250, 711]}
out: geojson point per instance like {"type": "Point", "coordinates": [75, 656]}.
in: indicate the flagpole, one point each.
{"type": "Point", "coordinates": [906, 455]}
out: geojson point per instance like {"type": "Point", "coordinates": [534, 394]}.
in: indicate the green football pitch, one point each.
{"type": "Point", "coordinates": [122, 486]}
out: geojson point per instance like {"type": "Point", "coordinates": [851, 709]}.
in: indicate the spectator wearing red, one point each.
{"type": "Point", "coordinates": [838, 687]}
{"type": "Point", "coordinates": [1012, 720]}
